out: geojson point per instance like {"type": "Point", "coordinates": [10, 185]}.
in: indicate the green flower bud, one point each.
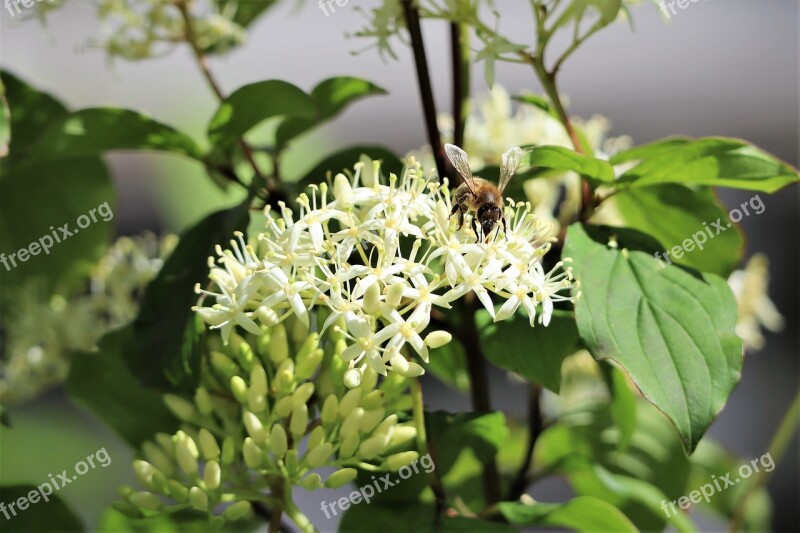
{"type": "Point", "coordinates": [352, 378]}
{"type": "Point", "coordinates": [228, 450]}
{"type": "Point", "coordinates": [371, 419]}
{"type": "Point", "coordinates": [269, 318]}
{"type": "Point", "coordinates": [145, 500]}
{"type": "Point", "coordinates": [311, 482]}
{"type": "Point", "coordinates": [414, 370]}
{"type": "Point", "coordinates": [316, 437]}
{"type": "Point", "coordinates": [302, 393]}
{"type": "Point", "coordinates": [284, 376]}
{"type": "Point", "coordinates": [256, 394]}
{"type": "Point", "coordinates": [209, 448]}
{"type": "Point", "coordinates": [256, 402]}
{"type": "Point", "coordinates": [394, 385]}
{"type": "Point", "coordinates": [372, 299]}
{"type": "Point", "coordinates": [144, 473]}
{"type": "Point", "coordinates": [245, 355]}
{"type": "Point", "coordinates": [351, 422]}
{"type": "Point", "coordinates": [373, 400]}
{"type": "Point", "coordinates": [299, 420]}
{"type": "Point", "coordinates": [128, 509]}
{"type": "Point", "coordinates": [262, 344]}
{"type": "Point", "coordinates": [177, 491]}
{"type": "Point", "coordinates": [186, 453]}
{"type": "Point", "coordinates": [125, 491]}
{"type": "Point", "coordinates": [399, 460]}
{"type": "Point", "coordinates": [238, 510]}
{"type": "Point", "coordinates": [348, 446]}
{"type": "Point", "coordinates": [394, 293]}
{"type": "Point", "coordinates": [202, 399]}
{"type": "Point", "coordinates": [284, 406]}
{"type": "Point", "coordinates": [373, 446]}
{"type": "Point", "coordinates": [438, 338]}
{"type": "Point", "coordinates": [278, 441]}
{"type": "Point", "coordinates": [155, 455]}
{"type": "Point", "coordinates": [212, 475]}
{"type": "Point", "coordinates": [306, 367]}
{"type": "Point", "coordinates": [341, 477]}
{"type": "Point", "coordinates": [278, 344]}
{"type": "Point", "coordinates": [181, 408]}
{"type": "Point", "coordinates": [310, 343]}
{"type": "Point", "coordinates": [198, 499]}
{"type": "Point", "coordinates": [369, 378]}
{"type": "Point", "coordinates": [319, 455]}
{"type": "Point", "coordinates": [402, 435]}
{"type": "Point", "coordinates": [388, 423]}
{"type": "Point", "coordinates": [216, 523]}
{"type": "Point", "coordinates": [239, 389]}
{"type": "Point", "coordinates": [252, 453]}
{"type": "Point", "coordinates": [291, 462]}
{"type": "Point", "coordinates": [254, 427]}
{"type": "Point", "coordinates": [349, 402]}
{"type": "Point", "coordinates": [224, 365]}
{"type": "Point", "coordinates": [330, 410]}
{"type": "Point", "coordinates": [298, 331]}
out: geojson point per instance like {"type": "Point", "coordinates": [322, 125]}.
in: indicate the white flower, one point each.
{"type": "Point", "coordinates": [378, 258]}
{"type": "Point", "coordinates": [756, 310]}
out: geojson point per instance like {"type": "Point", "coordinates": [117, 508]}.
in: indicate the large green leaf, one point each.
{"type": "Point", "coordinates": [449, 364]}
{"type": "Point", "coordinates": [31, 111]}
{"type": "Point", "coordinates": [583, 513]}
{"type": "Point", "coordinates": [36, 200]}
{"type": "Point", "coordinates": [90, 132]}
{"type": "Point", "coordinates": [163, 350]}
{"type": "Point", "coordinates": [252, 104]}
{"type": "Point", "coordinates": [38, 515]}
{"type": "Point", "coordinates": [245, 12]}
{"type": "Point", "coordinates": [671, 329]}
{"type": "Point", "coordinates": [330, 97]}
{"type": "Point", "coordinates": [596, 170]}
{"type": "Point", "coordinates": [644, 151]}
{"type": "Point", "coordinates": [102, 383]}
{"type": "Point", "coordinates": [715, 161]}
{"type": "Point", "coordinates": [692, 226]}
{"type": "Point", "coordinates": [535, 353]}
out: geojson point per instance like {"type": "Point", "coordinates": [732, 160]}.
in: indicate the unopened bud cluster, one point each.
{"type": "Point", "coordinates": [275, 406]}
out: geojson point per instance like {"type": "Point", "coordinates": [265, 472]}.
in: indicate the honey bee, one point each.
{"type": "Point", "coordinates": [481, 196]}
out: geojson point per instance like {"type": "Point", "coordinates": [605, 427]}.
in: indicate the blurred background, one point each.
{"type": "Point", "coordinates": [721, 67]}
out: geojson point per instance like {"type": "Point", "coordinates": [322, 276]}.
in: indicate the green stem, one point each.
{"type": "Point", "coordinates": [424, 447]}
{"type": "Point", "coordinates": [294, 512]}
{"type": "Point", "coordinates": [777, 447]}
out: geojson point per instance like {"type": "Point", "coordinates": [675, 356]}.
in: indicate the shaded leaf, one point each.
{"type": "Point", "coordinates": [670, 329]}
{"type": "Point", "coordinates": [449, 364]}
{"type": "Point", "coordinates": [583, 513]}
{"type": "Point", "coordinates": [102, 383]}
{"type": "Point", "coordinates": [558, 158]}
{"type": "Point", "coordinates": [163, 350]}
{"type": "Point", "coordinates": [5, 122]}
{"type": "Point", "coordinates": [91, 132]}
{"type": "Point", "coordinates": [43, 515]}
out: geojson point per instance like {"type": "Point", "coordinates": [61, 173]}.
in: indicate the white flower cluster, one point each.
{"type": "Point", "coordinates": [377, 260]}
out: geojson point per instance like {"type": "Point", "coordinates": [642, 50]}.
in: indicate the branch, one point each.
{"type": "Point", "coordinates": [426, 447]}
{"type": "Point", "coordinates": [535, 426]}
{"type": "Point", "coordinates": [425, 88]}
{"type": "Point", "coordinates": [459, 50]}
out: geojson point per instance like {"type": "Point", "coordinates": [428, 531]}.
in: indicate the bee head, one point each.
{"type": "Point", "coordinates": [488, 217]}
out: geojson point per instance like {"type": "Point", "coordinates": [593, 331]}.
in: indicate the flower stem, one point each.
{"type": "Point", "coordinates": [459, 49]}
{"type": "Point", "coordinates": [425, 87]}
{"type": "Point", "coordinates": [777, 447]}
{"type": "Point", "coordinates": [294, 512]}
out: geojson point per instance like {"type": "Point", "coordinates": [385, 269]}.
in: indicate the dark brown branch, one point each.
{"type": "Point", "coordinates": [458, 46]}
{"type": "Point", "coordinates": [535, 426]}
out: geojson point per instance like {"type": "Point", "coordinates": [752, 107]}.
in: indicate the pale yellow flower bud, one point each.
{"type": "Point", "coordinates": [438, 338]}
{"type": "Point", "coordinates": [330, 410]}
{"type": "Point", "coordinates": [177, 491]}
{"type": "Point", "coordinates": [372, 298]}
{"type": "Point", "coordinates": [212, 475]}
{"type": "Point", "coordinates": [348, 446]}
{"type": "Point", "coordinates": [146, 500]}
{"type": "Point", "coordinates": [306, 366]}
{"type": "Point", "coordinates": [202, 399]}
{"type": "Point", "coordinates": [224, 364]}
{"type": "Point", "coordinates": [252, 453]}
{"type": "Point", "coordinates": [144, 473]}
{"type": "Point", "coordinates": [228, 450]}
{"type": "Point", "coordinates": [254, 427]}
{"type": "Point", "coordinates": [277, 441]}
{"type": "Point", "coordinates": [319, 455]}
{"type": "Point", "coordinates": [351, 422]}
{"type": "Point", "coordinates": [209, 448]}
{"type": "Point", "coordinates": [373, 446]}
{"type": "Point", "coordinates": [302, 394]}
{"type": "Point", "coordinates": [388, 423]}
{"type": "Point", "coordinates": [155, 455]}
{"type": "Point", "coordinates": [239, 389]}
{"type": "Point", "coordinates": [278, 344]}
{"type": "Point", "coordinates": [342, 191]}
{"type": "Point", "coordinates": [316, 437]}
{"type": "Point", "coordinates": [402, 435]}
{"type": "Point", "coordinates": [373, 400]}
{"type": "Point", "coordinates": [238, 510]}
{"type": "Point", "coordinates": [399, 460]}
{"type": "Point", "coordinates": [349, 402]}
{"type": "Point", "coordinates": [371, 419]}
{"type": "Point", "coordinates": [369, 378]}
{"type": "Point", "coordinates": [284, 376]}
{"type": "Point", "coordinates": [181, 408]}
{"type": "Point", "coordinates": [341, 477]}
{"type": "Point", "coordinates": [311, 482]}
{"type": "Point", "coordinates": [198, 499]}
{"type": "Point", "coordinates": [299, 420]}
{"type": "Point", "coordinates": [352, 378]}
{"type": "Point", "coordinates": [284, 406]}
{"type": "Point", "coordinates": [266, 316]}
{"type": "Point", "coordinates": [394, 293]}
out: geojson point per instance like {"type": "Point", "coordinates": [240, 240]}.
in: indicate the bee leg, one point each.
{"type": "Point", "coordinates": [503, 218]}
{"type": "Point", "coordinates": [475, 230]}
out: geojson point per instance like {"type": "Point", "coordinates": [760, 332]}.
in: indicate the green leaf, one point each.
{"type": "Point", "coordinates": [31, 111]}
{"type": "Point", "coordinates": [533, 352]}
{"type": "Point", "coordinates": [43, 515]}
{"type": "Point", "coordinates": [91, 132]}
{"type": "Point", "coordinates": [714, 161]}
{"type": "Point", "coordinates": [246, 12]}
{"type": "Point", "coordinates": [163, 352]}
{"type": "Point", "coordinates": [622, 406]}
{"type": "Point", "coordinates": [537, 101]}
{"type": "Point", "coordinates": [330, 97]}
{"type": "Point", "coordinates": [671, 329]}
{"type": "Point", "coordinates": [252, 104]}
{"type": "Point", "coordinates": [682, 219]}
{"type": "Point", "coordinates": [5, 122]}
{"type": "Point", "coordinates": [559, 158]}
{"type": "Point", "coordinates": [102, 383]}
{"type": "Point", "coordinates": [579, 514]}
{"type": "Point", "coordinates": [638, 153]}
{"type": "Point", "coordinates": [36, 200]}
{"type": "Point", "coordinates": [346, 158]}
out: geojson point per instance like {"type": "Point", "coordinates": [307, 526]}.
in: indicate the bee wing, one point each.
{"type": "Point", "coordinates": [459, 159]}
{"type": "Point", "coordinates": [509, 164]}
